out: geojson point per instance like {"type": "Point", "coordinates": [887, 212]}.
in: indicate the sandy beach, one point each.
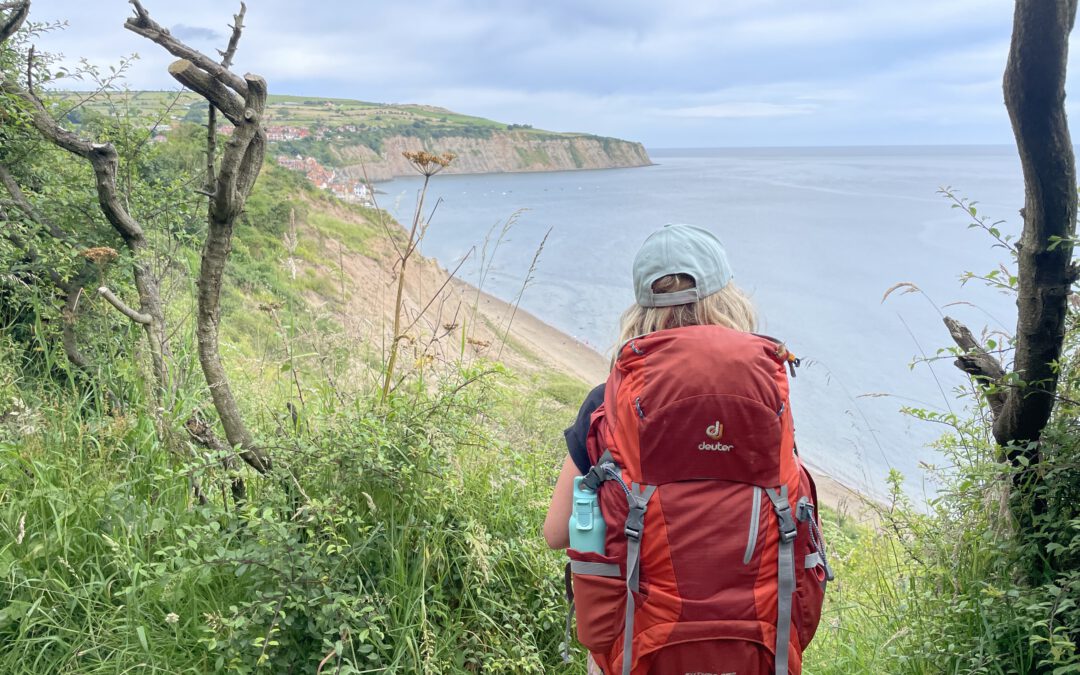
{"type": "Point", "coordinates": [453, 320]}
{"type": "Point", "coordinates": [572, 357]}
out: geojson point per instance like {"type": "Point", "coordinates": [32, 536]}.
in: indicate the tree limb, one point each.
{"type": "Point", "coordinates": [206, 85]}
{"type": "Point", "coordinates": [211, 116]}
{"type": "Point", "coordinates": [143, 25]}
{"type": "Point", "coordinates": [975, 361]}
{"type": "Point", "coordinates": [124, 309]}
{"type": "Point", "coordinates": [105, 162]}
{"type": "Point", "coordinates": [243, 101]}
{"type": "Point", "coordinates": [102, 157]}
{"type": "Point", "coordinates": [14, 21]}
{"type": "Point", "coordinates": [72, 289]}
{"type": "Point", "coordinates": [239, 169]}
{"type": "Point", "coordinates": [234, 39]}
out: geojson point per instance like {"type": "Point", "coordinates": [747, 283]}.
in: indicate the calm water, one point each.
{"type": "Point", "coordinates": [815, 235]}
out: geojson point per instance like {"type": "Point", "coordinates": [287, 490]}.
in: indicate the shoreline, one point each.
{"type": "Point", "coordinates": [568, 355]}
{"type": "Point", "coordinates": [503, 173]}
{"type": "Point", "coordinates": [474, 321]}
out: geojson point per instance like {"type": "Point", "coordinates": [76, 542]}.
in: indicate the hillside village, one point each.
{"type": "Point", "coordinates": [336, 182]}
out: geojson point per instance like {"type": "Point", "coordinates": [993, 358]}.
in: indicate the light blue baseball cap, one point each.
{"type": "Point", "coordinates": [680, 249]}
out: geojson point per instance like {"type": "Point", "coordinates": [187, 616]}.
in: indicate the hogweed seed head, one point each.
{"type": "Point", "coordinates": [429, 163]}
{"type": "Point", "coordinates": [100, 255]}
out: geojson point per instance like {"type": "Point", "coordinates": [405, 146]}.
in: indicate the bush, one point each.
{"type": "Point", "coordinates": [388, 537]}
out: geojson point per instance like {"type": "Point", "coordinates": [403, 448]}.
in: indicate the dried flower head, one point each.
{"type": "Point", "coordinates": [100, 255]}
{"type": "Point", "coordinates": [429, 163]}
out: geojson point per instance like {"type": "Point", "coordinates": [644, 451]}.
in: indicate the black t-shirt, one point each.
{"type": "Point", "coordinates": [579, 431]}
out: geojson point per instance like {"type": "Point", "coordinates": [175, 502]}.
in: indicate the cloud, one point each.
{"type": "Point", "coordinates": [743, 109]}
{"type": "Point", "coordinates": [196, 33]}
{"type": "Point", "coordinates": [685, 72]}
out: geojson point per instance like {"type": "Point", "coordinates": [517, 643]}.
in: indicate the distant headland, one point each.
{"type": "Point", "coordinates": [365, 141]}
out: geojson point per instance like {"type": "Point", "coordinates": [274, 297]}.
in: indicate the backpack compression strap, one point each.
{"type": "Point", "coordinates": [638, 497]}
{"type": "Point", "coordinates": [786, 523]}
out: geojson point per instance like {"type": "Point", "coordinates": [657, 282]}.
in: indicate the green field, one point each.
{"type": "Point", "coordinates": [308, 112]}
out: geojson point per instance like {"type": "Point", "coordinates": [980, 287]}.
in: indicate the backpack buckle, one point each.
{"type": "Point", "coordinates": [635, 522]}
{"type": "Point", "coordinates": [788, 529]}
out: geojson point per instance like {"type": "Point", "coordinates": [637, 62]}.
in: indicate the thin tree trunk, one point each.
{"type": "Point", "coordinates": [1035, 98]}
{"type": "Point", "coordinates": [242, 101]}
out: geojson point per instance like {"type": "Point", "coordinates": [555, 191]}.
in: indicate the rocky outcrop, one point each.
{"type": "Point", "coordinates": [502, 151]}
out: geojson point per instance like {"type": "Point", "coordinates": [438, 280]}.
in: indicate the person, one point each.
{"type": "Point", "coordinates": [681, 278]}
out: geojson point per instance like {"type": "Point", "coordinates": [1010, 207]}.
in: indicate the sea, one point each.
{"type": "Point", "coordinates": [817, 236]}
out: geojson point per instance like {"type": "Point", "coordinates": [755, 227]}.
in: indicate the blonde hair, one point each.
{"type": "Point", "coordinates": [728, 307]}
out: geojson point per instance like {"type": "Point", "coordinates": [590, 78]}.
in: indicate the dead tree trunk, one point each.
{"type": "Point", "coordinates": [17, 13]}
{"type": "Point", "coordinates": [104, 160]}
{"type": "Point", "coordinates": [1034, 87]}
{"type": "Point", "coordinates": [1035, 98]}
{"type": "Point", "coordinates": [242, 101]}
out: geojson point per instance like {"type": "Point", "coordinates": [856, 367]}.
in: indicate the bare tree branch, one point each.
{"type": "Point", "coordinates": [102, 157]}
{"type": "Point", "coordinates": [198, 80]}
{"type": "Point", "coordinates": [105, 162]}
{"type": "Point", "coordinates": [14, 21]}
{"type": "Point", "coordinates": [240, 167]}
{"type": "Point", "coordinates": [211, 116]}
{"type": "Point", "coordinates": [975, 361]}
{"type": "Point", "coordinates": [234, 39]}
{"type": "Point", "coordinates": [242, 101]}
{"type": "Point", "coordinates": [143, 25]}
{"type": "Point", "coordinates": [124, 309]}
{"type": "Point", "coordinates": [72, 289]}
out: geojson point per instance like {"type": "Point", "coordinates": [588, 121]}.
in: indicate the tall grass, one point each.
{"type": "Point", "coordinates": [399, 537]}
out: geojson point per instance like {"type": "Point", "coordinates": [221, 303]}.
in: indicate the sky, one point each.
{"type": "Point", "coordinates": [678, 73]}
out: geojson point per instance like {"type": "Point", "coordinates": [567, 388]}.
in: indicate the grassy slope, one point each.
{"type": "Point", "coordinates": [416, 550]}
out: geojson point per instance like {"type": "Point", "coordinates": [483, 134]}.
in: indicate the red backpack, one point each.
{"type": "Point", "coordinates": [714, 562]}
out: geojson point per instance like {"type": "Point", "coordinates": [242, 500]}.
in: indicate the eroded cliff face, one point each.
{"type": "Point", "coordinates": [502, 152]}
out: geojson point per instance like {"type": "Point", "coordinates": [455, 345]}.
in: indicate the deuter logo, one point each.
{"type": "Point", "coordinates": [715, 431]}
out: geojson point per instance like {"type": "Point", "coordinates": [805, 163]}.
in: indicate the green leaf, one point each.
{"type": "Point", "coordinates": [141, 633]}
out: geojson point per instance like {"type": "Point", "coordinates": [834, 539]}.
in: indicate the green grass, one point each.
{"type": "Point", "coordinates": [357, 236]}
{"type": "Point", "coordinates": [412, 546]}
{"type": "Point", "coordinates": [306, 111]}
{"type": "Point", "coordinates": [533, 156]}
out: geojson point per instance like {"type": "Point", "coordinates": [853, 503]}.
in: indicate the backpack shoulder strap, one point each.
{"type": "Point", "coordinates": [786, 575]}
{"type": "Point", "coordinates": [638, 497]}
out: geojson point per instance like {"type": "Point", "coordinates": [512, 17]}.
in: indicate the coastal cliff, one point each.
{"type": "Point", "coordinates": [500, 152]}
{"type": "Point", "coordinates": [347, 137]}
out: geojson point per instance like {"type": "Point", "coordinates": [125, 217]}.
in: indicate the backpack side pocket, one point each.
{"type": "Point", "coordinates": [599, 599]}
